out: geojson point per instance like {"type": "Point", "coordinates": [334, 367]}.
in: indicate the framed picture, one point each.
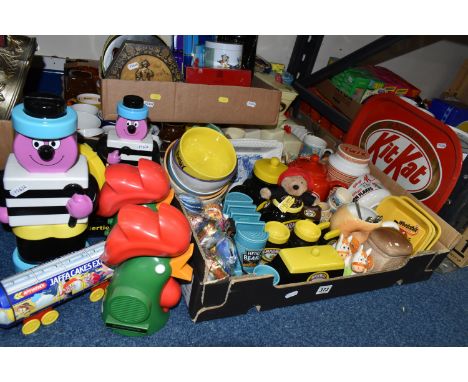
{"type": "Point", "coordinates": [143, 62]}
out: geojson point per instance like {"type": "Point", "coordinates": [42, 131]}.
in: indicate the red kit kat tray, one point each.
{"type": "Point", "coordinates": [416, 150]}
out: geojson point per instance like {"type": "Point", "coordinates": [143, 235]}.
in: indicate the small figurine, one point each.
{"type": "Point", "coordinates": [346, 246]}
{"type": "Point", "coordinates": [131, 139]}
{"type": "Point", "coordinates": [49, 192]}
{"type": "Point", "coordinates": [148, 249]}
{"type": "Point", "coordinates": [286, 200]}
{"type": "Point", "coordinates": [360, 261]}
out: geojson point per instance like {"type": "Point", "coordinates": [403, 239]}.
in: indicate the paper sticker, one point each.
{"type": "Point", "coordinates": [324, 289]}
{"type": "Point", "coordinates": [19, 190]}
{"type": "Point", "coordinates": [251, 103]}
{"type": "Point", "coordinates": [149, 103]}
{"type": "Point", "coordinates": [441, 145]}
{"type": "Point", "coordinates": [223, 99]}
{"type": "Point", "coordinates": [133, 66]}
{"type": "Point", "coordinates": [291, 294]}
{"type": "Point", "coordinates": [155, 96]}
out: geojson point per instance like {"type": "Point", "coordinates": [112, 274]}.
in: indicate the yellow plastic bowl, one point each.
{"type": "Point", "coordinates": [206, 154]}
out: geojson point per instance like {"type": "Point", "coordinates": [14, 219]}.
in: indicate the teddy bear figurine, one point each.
{"type": "Point", "coordinates": [286, 201]}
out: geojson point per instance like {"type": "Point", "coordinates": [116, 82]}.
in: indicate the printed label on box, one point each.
{"type": "Point", "coordinates": [324, 289]}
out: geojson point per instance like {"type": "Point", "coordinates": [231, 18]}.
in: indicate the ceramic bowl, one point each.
{"type": "Point", "coordinates": [88, 122]}
{"type": "Point", "coordinates": [190, 182]}
{"type": "Point", "coordinates": [206, 154]}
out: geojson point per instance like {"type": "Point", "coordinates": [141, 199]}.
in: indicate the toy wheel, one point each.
{"type": "Point", "coordinates": [50, 317]}
{"type": "Point", "coordinates": [96, 295]}
{"type": "Point", "coordinates": [31, 326]}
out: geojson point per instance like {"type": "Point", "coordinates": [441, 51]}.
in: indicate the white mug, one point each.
{"type": "Point", "coordinates": [313, 145]}
{"type": "Point", "coordinates": [339, 196]}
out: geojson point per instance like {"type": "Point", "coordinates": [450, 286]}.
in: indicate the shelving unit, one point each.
{"type": "Point", "coordinates": [301, 64]}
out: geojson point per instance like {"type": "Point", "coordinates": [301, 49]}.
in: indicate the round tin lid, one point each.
{"type": "Point", "coordinates": [416, 150]}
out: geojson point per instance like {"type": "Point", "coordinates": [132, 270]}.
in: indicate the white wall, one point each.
{"type": "Point", "coordinates": [431, 68]}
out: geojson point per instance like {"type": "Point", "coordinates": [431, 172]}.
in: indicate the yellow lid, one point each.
{"type": "Point", "coordinates": [311, 259]}
{"type": "Point", "coordinates": [269, 169]}
{"type": "Point", "coordinates": [307, 230]}
{"type": "Point", "coordinates": [278, 233]}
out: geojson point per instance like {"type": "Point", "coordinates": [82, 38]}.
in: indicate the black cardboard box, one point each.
{"type": "Point", "coordinates": [232, 296]}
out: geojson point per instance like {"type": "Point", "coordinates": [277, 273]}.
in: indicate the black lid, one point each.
{"type": "Point", "coordinates": [44, 105]}
{"type": "Point", "coordinates": [133, 101]}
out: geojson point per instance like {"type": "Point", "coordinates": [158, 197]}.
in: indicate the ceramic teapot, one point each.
{"type": "Point", "coordinates": [319, 183]}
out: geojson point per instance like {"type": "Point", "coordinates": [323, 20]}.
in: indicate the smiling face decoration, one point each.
{"type": "Point", "coordinates": [46, 156]}
{"type": "Point", "coordinates": [128, 129]}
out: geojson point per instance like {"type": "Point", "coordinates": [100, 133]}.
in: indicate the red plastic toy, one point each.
{"type": "Point", "coordinates": [141, 231]}
{"type": "Point", "coordinates": [127, 184]}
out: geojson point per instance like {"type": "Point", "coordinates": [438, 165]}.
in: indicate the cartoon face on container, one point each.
{"type": "Point", "coordinates": [45, 139]}
{"type": "Point", "coordinates": [128, 129]}
{"type": "Point", "coordinates": [131, 122]}
{"type": "Point", "coordinates": [46, 155]}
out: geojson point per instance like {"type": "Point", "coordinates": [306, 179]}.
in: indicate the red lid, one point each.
{"type": "Point", "coordinates": [416, 150]}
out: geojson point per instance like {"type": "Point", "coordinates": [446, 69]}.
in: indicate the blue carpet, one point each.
{"type": "Point", "coordinates": [429, 313]}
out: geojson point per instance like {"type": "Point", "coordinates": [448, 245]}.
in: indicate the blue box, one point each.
{"type": "Point", "coordinates": [450, 112]}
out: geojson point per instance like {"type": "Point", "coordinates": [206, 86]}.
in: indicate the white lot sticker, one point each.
{"type": "Point", "coordinates": [149, 103]}
{"type": "Point", "coordinates": [291, 294]}
{"type": "Point", "coordinates": [19, 190]}
{"type": "Point", "coordinates": [324, 289]}
{"type": "Point", "coordinates": [441, 145]}
{"type": "Point", "coordinates": [251, 103]}
{"type": "Point", "coordinates": [133, 66]}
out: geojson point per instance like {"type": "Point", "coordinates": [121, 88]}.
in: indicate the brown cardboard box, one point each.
{"type": "Point", "coordinates": [208, 300]}
{"type": "Point", "coordinates": [459, 86]}
{"type": "Point", "coordinates": [341, 101]}
{"type": "Point", "coordinates": [182, 102]}
{"type": "Point", "coordinates": [459, 254]}
{"type": "Point", "coordinates": [6, 141]}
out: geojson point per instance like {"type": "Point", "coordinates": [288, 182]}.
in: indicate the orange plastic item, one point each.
{"type": "Point", "coordinates": [141, 231]}
{"type": "Point", "coordinates": [127, 184]}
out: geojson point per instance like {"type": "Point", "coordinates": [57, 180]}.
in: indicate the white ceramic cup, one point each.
{"type": "Point", "coordinates": [313, 145]}
{"type": "Point", "coordinates": [90, 99]}
{"type": "Point", "coordinates": [368, 191]}
{"type": "Point", "coordinates": [85, 108]}
{"type": "Point", "coordinates": [339, 196]}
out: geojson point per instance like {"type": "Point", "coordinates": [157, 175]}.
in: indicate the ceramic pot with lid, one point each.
{"type": "Point", "coordinates": [265, 173]}
{"type": "Point", "coordinates": [390, 248]}
{"type": "Point", "coordinates": [319, 183]}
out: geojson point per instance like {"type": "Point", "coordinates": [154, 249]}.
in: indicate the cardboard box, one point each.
{"type": "Point", "coordinates": [182, 102]}
{"type": "Point", "coordinates": [459, 254]}
{"type": "Point", "coordinates": [208, 300]}
{"type": "Point", "coordinates": [459, 87]}
{"type": "Point", "coordinates": [341, 101]}
{"type": "Point", "coordinates": [6, 142]}
{"type": "Point", "coordinates": [288, 94]}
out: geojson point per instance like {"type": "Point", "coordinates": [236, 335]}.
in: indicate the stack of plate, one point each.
{"type": "Point", "coordinates": [419, 227]}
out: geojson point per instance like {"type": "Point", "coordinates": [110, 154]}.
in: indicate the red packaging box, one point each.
{"type": "Point", "coordinates": [210, 76]}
